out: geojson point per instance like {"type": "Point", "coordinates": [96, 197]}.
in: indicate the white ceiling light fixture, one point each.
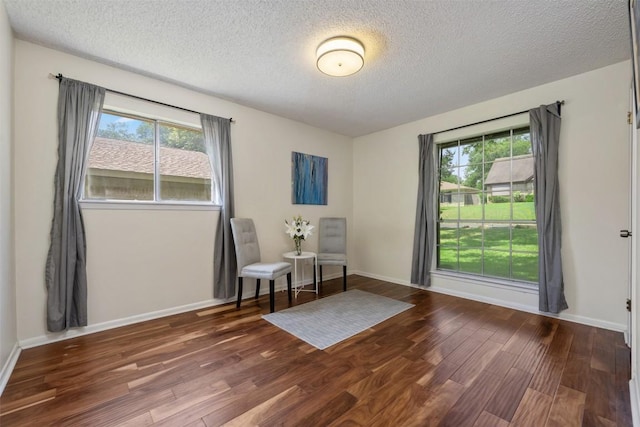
{"type": "Point", "coordinates": [340, 56]}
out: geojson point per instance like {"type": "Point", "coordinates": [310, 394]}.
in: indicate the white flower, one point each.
{"type": "Point", "coordinates": [298, 228]}
{"type": "Point", "coordinates": [291, 229]}
{"type": "Point", "coordinates": [306, 229]}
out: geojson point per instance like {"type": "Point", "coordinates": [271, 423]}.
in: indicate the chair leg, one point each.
{"type": "Point", "coordinates": [320, 269]}
{"type": "Point", "coordinates": [289, 286]}
{"type": "Point", "coordinates": [257, 288]}
{"type": "Point", "coordinates": [315, 281]}
{"type": "Point", "coordinates": [344, 278]}
{"type": "Point", "coordinates": [239, 292]}
{"type": "Point", "coordinates": [272, 295]}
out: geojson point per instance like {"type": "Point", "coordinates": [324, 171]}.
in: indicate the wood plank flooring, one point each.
{"type": "Point", "coordinates": [447, 361]}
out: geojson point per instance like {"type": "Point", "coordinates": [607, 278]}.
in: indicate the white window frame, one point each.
{"type": "Point", "coordinates": [491, 127]}
{"type": "Point", "coordinates": [139, 109]}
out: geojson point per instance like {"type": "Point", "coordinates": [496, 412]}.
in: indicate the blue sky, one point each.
{"type": "Point", "coordinates": [107, 118]}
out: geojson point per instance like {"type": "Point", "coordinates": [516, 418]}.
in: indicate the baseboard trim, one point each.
{"type": "Point", "coordinates": [635, 401]}
{"type": "Point", "coordinates": [7, 369]}
{"type": "Point", "coordinates": [618, 327]}
{"type": "Point", "coordinates": [111, 324]}
{"type": "Point", "coordinates": [387, 279]}
{"type": "Point", "coordinates": [98, 327]}
{"type": "Point", "coordinates": [103, 326]}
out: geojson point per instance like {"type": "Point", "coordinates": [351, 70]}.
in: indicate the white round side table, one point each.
{"type": "Point", "coordinates": [298, 284]}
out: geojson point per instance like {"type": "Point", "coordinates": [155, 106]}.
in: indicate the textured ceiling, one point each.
{"type": "Point", "coordinates": [422, 57]}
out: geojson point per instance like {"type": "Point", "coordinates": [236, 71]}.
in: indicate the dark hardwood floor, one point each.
{"type": "Point", "coordinates": [447, 361]}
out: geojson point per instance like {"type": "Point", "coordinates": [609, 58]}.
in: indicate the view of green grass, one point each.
{"type": "Point", "coordinates": [523, 211]}
{"type": "Point", "coordinates": [460, 249]}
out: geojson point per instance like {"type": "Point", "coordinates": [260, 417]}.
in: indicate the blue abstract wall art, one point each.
{"type": "Point", "coordinates": [308, 179]}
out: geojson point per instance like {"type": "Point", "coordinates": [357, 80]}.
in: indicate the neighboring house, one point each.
{"type": "Point", "coordinates": [124, 170]}
{"type": "Point", "coordinates": [453, 193]}
{"type": "Point", "coordinates": [503, 173]}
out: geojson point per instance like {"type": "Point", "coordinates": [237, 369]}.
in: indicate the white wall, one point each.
{"type": "Point", "coordinates": [594, 177]}
{"type": "Point", "coordinates": [144, 261]}
{"type": "Point", "coordinates": [8, 338]}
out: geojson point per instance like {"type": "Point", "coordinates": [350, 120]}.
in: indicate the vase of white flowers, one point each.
{"type": "Point", "coordinates": [298, 229]}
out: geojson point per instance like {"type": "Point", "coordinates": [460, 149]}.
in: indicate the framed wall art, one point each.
{"type": "Point", "coordinates": [309, 176]}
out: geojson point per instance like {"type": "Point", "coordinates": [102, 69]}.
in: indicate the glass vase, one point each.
{"type": "Point", "coordinates": [298, 243]}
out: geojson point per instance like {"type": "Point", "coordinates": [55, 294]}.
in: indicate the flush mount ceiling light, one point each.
{"type": "Point", "coordinates": [340, 56]}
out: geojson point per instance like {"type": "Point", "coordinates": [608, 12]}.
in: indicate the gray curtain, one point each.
{"type": "Point", "coordinates": [79, 109]}
{"type": "Point", "coordinates": [425, 229]}
{"type": "Point", "coordinates": [217, 142]}
{"type": "Point", "coordinates": [545, 138]}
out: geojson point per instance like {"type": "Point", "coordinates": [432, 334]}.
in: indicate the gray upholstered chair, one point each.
{"type": "Point", "coordinates": [332, 245]}
{"type": "Point", "coordinates": [249, 264]}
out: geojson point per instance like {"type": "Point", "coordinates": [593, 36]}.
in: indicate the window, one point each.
{"type": "Point", "coordinates": [135, 158]}
{"type": "Point", "coordinates": [486, 221]}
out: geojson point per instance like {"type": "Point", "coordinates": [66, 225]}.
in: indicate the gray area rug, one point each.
{"type": "Point", "coordinates": [327, 321]}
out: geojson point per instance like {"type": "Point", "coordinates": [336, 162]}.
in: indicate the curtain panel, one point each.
{"type": "Point", "coordinates": [79, 109]}
{"type": "Point", "coordinates": [545, 141]}
{"type": "Point", "coordinates": [217, 143]}
{"type": "Point", "coordinates": [425, 227]}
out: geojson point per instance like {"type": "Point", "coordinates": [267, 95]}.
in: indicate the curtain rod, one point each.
{"type": "Point", "coordinates": [59, 77]}
{"type": "Point", "coordinates": [558, 103]}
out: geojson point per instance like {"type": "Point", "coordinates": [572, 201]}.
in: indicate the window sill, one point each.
{"type": "Point", "coordinates": [144, 205]}
{"type": "Point", "coordinates": [488, 281]}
